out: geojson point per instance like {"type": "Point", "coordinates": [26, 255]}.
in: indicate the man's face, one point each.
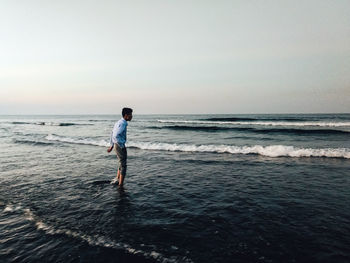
{"type": "Point", "coordinates": [128, 117]}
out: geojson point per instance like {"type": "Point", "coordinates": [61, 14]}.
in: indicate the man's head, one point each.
{"type": "Point", "coordinates": [127, 114]}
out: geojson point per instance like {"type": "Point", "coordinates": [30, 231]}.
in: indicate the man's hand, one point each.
{"type": "Point", "coordinates": [110, 149]}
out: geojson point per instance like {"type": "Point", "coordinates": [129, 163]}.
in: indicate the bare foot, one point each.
{"type": "Point", "coordinates": [115, 180]}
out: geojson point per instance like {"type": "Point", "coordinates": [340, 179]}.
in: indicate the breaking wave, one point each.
{"type": "Point", "coordinates": [269, 151]}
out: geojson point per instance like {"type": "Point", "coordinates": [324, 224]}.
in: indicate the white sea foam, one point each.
{"type": "Point", "coordinates": [265, 123]}
{"type": "Point", "coordinates": [270, 151]}
{"type": "Point", "coordinates": [97, 240]}
{"type": "Point", "coordinates": [51, 137]}
{"type": "Point", "coordinates": [94, 240]}
{"type": "Point", "coordinates": [49, 123]}
{"type": "Point", "coordinates": [11, 208]}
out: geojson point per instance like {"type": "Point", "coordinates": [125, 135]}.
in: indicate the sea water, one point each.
{"type": "Point", "coordinates": [199, 188]}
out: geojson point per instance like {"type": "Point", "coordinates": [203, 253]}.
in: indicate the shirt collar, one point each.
{"type": "Point", "coordinates": [123, 120]}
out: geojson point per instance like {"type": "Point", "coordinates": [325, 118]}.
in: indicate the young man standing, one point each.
{"type": "Point", "coordinates": [118, 140]}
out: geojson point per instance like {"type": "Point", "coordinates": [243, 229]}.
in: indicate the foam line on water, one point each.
{"type": "Point", "coordinates": [42, 123]}
{"type": "Point", "coordinates": [266, 123]}
{"type": "Point", "coordinates": [12, 208]}
{"type": "Point", "coordinates": [93, 240]}
{"type": "Point", "coordinates": [269, 151]}
{"type": "Point", "coordinates": [52, 137]}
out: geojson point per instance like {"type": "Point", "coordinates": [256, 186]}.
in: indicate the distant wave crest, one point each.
{"type": "Point", "coordinates": [252, 119]}
{"type": "Point", "coordinates": [265, 123]}
{"type": "Point", "coordinates": [270, 151]}
{"type": "Point", "coordinates": [48, 123]}
{"type": "Point", "coordinates": [296, 131]}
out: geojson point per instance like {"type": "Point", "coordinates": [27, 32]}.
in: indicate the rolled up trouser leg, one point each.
{"type": "Point", "coordinates": [122, 156]}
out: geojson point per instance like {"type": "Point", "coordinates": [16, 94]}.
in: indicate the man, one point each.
{"type": "Point", "coordinates": [118, 140]}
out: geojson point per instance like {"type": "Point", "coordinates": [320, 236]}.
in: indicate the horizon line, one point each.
{"type": "Point", "coordinates": [87, 114]}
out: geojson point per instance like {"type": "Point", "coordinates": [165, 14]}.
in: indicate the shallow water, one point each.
{"type": "Point", "coordinates": [199, 188]}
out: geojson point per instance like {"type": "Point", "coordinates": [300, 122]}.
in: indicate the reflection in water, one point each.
{"type": "Point", "coordinates": [123, 207]}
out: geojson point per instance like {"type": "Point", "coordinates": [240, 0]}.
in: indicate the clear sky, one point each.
{"type": "Point", "coordinates": [179, 56]}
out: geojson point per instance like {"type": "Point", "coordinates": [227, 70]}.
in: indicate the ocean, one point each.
{"type": "Point", "coordinates": [199, 188]}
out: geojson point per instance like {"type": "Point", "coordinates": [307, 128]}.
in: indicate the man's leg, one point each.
{"type": "Point", "coordinates": [123, 156]}
{"type": "Point", "coordinates": [121, 180]}
{"type": "Point", "coordinates": [116, 179]}
{"type": "Point", "coordinates": [122, 173]}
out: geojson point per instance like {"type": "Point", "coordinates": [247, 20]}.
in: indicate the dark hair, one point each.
{"type": "Point", "coordinates": [126, 111]}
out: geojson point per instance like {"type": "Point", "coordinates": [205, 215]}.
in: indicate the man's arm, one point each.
{"type": "Point", "coordinates": [110, 149]}
{"type": "Point", "coordinates": [111, 144]}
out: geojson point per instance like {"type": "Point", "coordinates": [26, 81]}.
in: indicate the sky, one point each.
{"type": "Point", "coordinates": [174, 57]}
